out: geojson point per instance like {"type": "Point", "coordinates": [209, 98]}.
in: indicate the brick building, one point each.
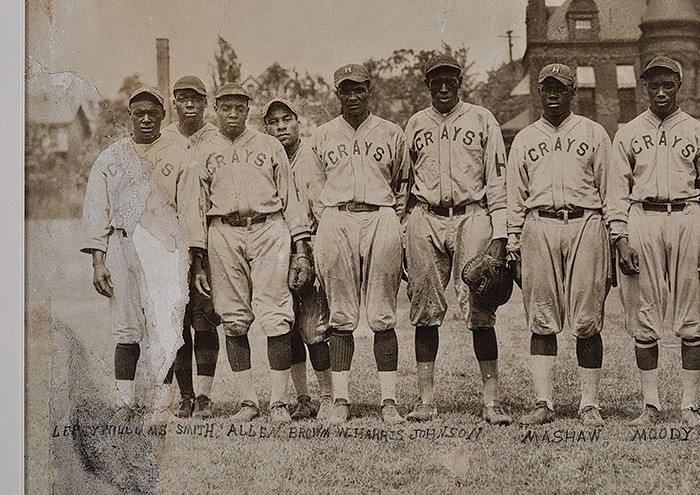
{"type": "Point", "coordinates": [607, 43]}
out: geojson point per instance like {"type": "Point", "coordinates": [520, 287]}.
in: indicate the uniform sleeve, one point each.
{"type": "Point", "coordinates": [601, 162]}
{"type": "Point", "coordinates": [518, 187]}
{"type": "Point", "coordinates": [301, 185]}
{"type": "Point", "coordinates": [495, 170]}
{"type": "Point", "coordinates": [294, 211]}
{"type": "Point", "coordinates": [193, 202]}
{"type": "Point", "coordinates": [96, 210]}
{"type": "Point", "coordinates": [619, 184]}
{"type": "Point", "coordinates": [400, 173]}
{"type": "Point", "coordinates": [314, 173]}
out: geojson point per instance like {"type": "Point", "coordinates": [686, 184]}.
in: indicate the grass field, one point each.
{"type": "Point", "coordinates": [68, 383]}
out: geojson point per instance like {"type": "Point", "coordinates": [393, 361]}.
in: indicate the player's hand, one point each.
{"type": "Point", "coordinates": [497, 248]}
{"type": "Point", "coordinates": [629, 259]}
{"type": "Point", "coordinates": [102, 280]}
{"type": "Point", "coordinates": [201, 281]}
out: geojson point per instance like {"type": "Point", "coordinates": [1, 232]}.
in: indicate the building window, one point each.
{"type": "Point", "coordinates": [583, 24]}
{"type": "Point", "coordinates": [626, 92]}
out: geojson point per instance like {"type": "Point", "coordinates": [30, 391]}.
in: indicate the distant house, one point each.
{"type": "Point", "coordinates": [608, 43]}
{"type": "Point", "coordinates": [251, 84]}
{"type": "Point", "coordinates": [61, 112]}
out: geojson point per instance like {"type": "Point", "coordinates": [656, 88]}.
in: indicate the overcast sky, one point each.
{"type": "Point", "coordinates": [103, 40]}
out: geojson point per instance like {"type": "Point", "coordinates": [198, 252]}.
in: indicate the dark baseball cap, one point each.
{"type": "Point", "coordinates": [190, 82]}
{"type": "Point", "coordinates": [232, 89]}
{"type": "Point", "coordinates": [560, 72]}
{"type": "Point", "coordinates": [278, 101]}
{"type": "Point", "coordinates": [147, 90]}
{"type": "Point", "coordinates": [662, 63]}
{"type": "Point", "coordinates": [442, 60]}
{"type": "Point", "coordinates": [350, 72]}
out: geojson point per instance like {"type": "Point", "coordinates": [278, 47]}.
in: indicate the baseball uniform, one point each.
{"type": "Point", "coordinates": [130, 214]}
{"type": "Point", "coordinates": [460, 184]}
{"type": "Point", "coordinates": [557, 184]}
{"type": "Point", "coordinates": [653, 199]}
{"type": "Point", "coordinates": [354, 183]}
{"type": "Point", "coordinates": [245, 212]}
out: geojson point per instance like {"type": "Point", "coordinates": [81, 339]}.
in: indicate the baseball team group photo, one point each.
{"type": "Point", "coordinates": [405, 277]}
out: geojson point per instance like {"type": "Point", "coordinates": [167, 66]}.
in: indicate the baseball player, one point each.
{"type": "Point", "coordinates": [556, 190]}
{"type": "Point", "coordinates": [310, 306]}
{"type": "Point", "coordinates": [247, 208]}
{"type": "Point", "coordinates": [354, 183]}
{"type": "Point", "coordinates": [458, 169]}
{"type": "Point", "coordinates": [191, 132]}
{"type": "Point", "coordinates": [139, 253]}
{"type": "Point", "coordinates": [653, 191]}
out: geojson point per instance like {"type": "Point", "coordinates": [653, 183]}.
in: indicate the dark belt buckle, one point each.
{"type": "Point", "coordinates": [563, 215]}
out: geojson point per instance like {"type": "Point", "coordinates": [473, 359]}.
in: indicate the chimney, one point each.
{"type": "Point", "coordinates": [163, 71]}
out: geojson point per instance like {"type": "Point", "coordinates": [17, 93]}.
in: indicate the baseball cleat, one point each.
{"type": "Point", "coordinates": [691, 415]}
{"type": "Point", "coordinates": [279, 413]}
{"type": "Point", "coordinates": [325, 411]}
{"type": "Point", "coordinates": [202, 407]}
{"type": "Point", "coordinates": [422, 412]}
{"type": "Point", "coordinates": [390, 414]}
{"type": "Point", "coordinates": [341, 412]}
{"type": "Point", "coordinates": [649, 417]}
{"type": "Point", "coordinates": [541, 415]}
{"type": "Point", "coordinates": [305, 408]}
{"type": "Point", "coordinates": [590, 416]}
{"type": "Point", "coordinates": [184, 409]}
{"type": "Point", "coordinates": [494, 415]}
{"type": "Point", "coordinates": [248, 411]}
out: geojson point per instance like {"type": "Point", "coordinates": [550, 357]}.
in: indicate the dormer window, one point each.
{"type": "Point", "coordinates": [582, 18]}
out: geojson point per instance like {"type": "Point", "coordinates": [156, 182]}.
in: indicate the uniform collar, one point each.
{"type": "Point", "coordinates": [564, 123]}
{"type": "Point", "coordinates": [652, 117]}
{"type": "Point", "coordinates": [456, 109]}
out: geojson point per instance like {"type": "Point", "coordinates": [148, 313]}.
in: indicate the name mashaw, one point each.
{"type": "Point", "coordinates": [562, 436]}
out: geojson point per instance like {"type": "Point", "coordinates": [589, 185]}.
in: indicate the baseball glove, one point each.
{"type": "Point", "coordinates": [301, 272]}
{"type": "Point", "coordinates": [489, 279]}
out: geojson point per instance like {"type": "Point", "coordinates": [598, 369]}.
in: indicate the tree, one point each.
{"type": "Point", "coordinates": [494, 93]}
{"type": "Point", "coordinates": [227, 68]}
{"type": "Point", "coordinates": [118, 106]}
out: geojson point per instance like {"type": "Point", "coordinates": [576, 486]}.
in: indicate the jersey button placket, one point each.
{"type": "Point", "coordinates": [444, 163]}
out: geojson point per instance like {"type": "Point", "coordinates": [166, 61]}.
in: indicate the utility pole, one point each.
{"type": "Point", "coordinates": [509, 35]}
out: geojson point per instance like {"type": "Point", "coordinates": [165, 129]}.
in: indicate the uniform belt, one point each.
{"type": "Point", "coordinates": [358, 207]}
{"type": "Point", "coordinates": [564, 215]}
{"type": "Point", "coordinates": [447, 211]}
{"type": "Point", "coordinates": [236, 221]}
{"type": "Point", "coordinates": [667, 207]}
{"type": "Point", "coordinates": [112, 230]}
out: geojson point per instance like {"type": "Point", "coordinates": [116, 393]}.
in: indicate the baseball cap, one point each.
{"type": "Point", "coordinates": [282, 101]}
{"type": "Point", "coordinates": [560, 72]}
{"type": "Point", "coordinates": [662, 63]}
{"type": "Point", "coordinates": [190, 82]}
{"type": "Point", "coordinates": [148, 91]}
{"type": "Point", "coordinates": [231, 89]}
{"type": "Point", "coordinates": [442, 60]}
{"type": "Point", "coordinates": [350, 72]}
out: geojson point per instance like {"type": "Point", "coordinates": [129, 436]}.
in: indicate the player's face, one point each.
{"type": "Point", "coordinates": [146, 117]}
{"type": "Point", "coordinates": [444, 84]}
{"type": "Point", "coordinates": [281, 123]}
{"type": "Point", "coordinates": [354, 98]}
{"type": "Point", "coordinates": [556, 98]}
{"type": "Point", "coordinates": [232, 112]}
{"type": "Point", "coordinates": [189, 105]}
{"type": "Point", "coordinates": [662, 90]}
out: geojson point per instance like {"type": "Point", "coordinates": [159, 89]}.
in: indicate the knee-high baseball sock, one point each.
{"type": "Point", "coordinates": [278, 386]}
{"type": "Point", "coordinates": [427, 341]}
{"type": "Point", "coordinates": [690, 377]}
{"type": "Point", "coordinates": [206, 351]}
{"type": "Point", "coordinates": [589, 353]}
{"type": "Point", "coordinates": [127, 392]}
{"type": "Point", "coordinates": [320, 357]}
{"type": "Point", "coordinates": [386, 354]}
{"type": "Point", "coordinates": [543, 353]}
{"type": "Point", "coordinates": [647, 357]}
{"type": "Point", "coordinates": [486, 351]}
{"type": "Point", "coordinates": [238, 352]}
{"type": "Point", "coordinates": [183, 371]}
{"type": "Point", "coordinates": [298, 373]}
{"type": "Point", "coordinates": [161, 397]}
{"type": "Point", "coordinates": [342, 348]}
{"type": "Point", "coordinates": [279, 354]}
{"type": "Point", "coordinates": [126, 357]}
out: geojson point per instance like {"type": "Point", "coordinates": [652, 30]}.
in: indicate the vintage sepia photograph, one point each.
{"type": "Point", "coordinates": [361, 247]}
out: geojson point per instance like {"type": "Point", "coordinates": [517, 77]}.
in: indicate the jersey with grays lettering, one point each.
{"type": "Point", "coordinates": [555, 168]}
{"type": "Point", "coordinates": [653, 160]}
